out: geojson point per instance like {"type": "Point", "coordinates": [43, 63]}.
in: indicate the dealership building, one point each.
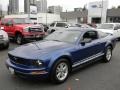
{"type": "Point", "coordinates": [97, 12]}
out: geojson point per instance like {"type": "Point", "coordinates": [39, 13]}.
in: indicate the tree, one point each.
{"type": "Point", "coordinates": [118, 6]}
{"type": "Point", "coordinates": [113, 7]}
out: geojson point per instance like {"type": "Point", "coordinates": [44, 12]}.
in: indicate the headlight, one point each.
{"type": "Point", "coordinates": [26, 29]}
{"type": "Point", "coordinates": [2, 28]}
{"type": "Point", "coordinates": [37, 63]}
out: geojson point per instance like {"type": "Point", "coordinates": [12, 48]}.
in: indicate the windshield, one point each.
{"type": "Point", "coordinates": [105, 26]}
{"type": "Point", "coordinates": [22, 21]}
{"type": "Point", "coordinates": [64, 36]}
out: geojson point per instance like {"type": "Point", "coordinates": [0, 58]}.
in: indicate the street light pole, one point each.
{"type": "Point", "coordinates": [29, 11]}
{"type": "Point", "coordinates": [66, 15]}
{"type": "Point", "coordinates": [101, 11]}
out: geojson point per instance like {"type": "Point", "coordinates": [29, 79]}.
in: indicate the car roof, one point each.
{"type": "Point", "coordinates": [111, 23]}
{"type": "Point", "coordinates": [80, 29]}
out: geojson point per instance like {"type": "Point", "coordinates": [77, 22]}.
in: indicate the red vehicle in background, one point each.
{"type": "Point", "coordinates": [21, 29]}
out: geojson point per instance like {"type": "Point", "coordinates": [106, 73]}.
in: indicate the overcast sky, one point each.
{"type": "Point", "coordinates": [67, 4]}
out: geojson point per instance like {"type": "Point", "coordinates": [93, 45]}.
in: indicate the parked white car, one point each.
{"type": "Point", "coordinates": [57, 26]}
{"type": "Point", "coordinates": [4, 40]}
{"type": "Point", "coordinates": [112, 28]}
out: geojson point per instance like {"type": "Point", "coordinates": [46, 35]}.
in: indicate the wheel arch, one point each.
{"type": "Point", "coordinates": [61, 57]}
{"type": "Point", "coordinates": [17, 32]}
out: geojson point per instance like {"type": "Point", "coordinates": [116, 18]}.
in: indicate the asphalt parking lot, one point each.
{"type": "Point", "coordinates": [98, 76]}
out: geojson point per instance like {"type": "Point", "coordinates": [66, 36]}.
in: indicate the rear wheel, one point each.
{"type": "Point", "coordinates": [60, 71]}
{"type": "Point", "coordinates": [108, 54]}
{"type": "Point", "coordinates": [19, 39]}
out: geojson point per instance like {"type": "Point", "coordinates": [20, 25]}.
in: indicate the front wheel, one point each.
{"type": "Point", "coordinates": [60, 71]}
{"type": "Point", "coordinates": [19, 39]}
{"type": "Point", "coordinates": [108, 54]}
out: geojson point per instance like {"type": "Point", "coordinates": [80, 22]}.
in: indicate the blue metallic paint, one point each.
{"type": "Point", "coordinates": [50, 51]}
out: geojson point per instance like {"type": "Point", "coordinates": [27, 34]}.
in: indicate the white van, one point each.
{"type": "Point", "coordinates": [4, 40]}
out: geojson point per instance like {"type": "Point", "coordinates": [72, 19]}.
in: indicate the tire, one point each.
{"type": "Point", "coordinates": [19, 39]}
{"type": "Point", "coordinates": [119, 39]}
{"type": "Point", "coordinates": [108, 54]}
{"type": "Point", "coordinates": [58, 74]}
{"type": "Point", "coordinates": [6, 46]}
{"type": "Point", "coordinates": [52, 31]}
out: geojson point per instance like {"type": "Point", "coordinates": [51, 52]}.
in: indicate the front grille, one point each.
{"type": "Point", "coordinates": [36, 30]}
{"type": "Point", "coordinates": [18, 60]}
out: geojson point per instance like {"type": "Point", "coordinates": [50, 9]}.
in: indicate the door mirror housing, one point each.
{"type": "Point", "coordinates": [66, 26]}
{"type": "Point", "coordinates": [115, 28]}
{"type": "Point", "coordinates": [86, 40]}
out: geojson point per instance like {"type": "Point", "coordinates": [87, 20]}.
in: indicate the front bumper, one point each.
{"type": "Point", "coordinates": [4, 42]}
{"type": "Point", "coordinates": [27, 72]}
{"type": "Point", "coordinates": [33, 35]}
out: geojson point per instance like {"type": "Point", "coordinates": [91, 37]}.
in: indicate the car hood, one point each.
{"type": "Point", "coordinates": [36, 49]}
{"type": "Point", "coordinates": [23, 25]}
{"type": "Point", "coordinates": [106, 31]}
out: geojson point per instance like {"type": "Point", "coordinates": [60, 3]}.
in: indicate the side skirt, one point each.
{"type": "Point", "coordinates": [87, 60]}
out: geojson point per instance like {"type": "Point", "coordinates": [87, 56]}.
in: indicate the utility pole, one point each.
{"type": "Point", "coordinates": [29, 11]}
{"type": "Point", "coordinates": [66, 15]}
{"type": "Point", "coordinates": [102, 10]}
{"type": "Point", "coordinates": [46, 18]}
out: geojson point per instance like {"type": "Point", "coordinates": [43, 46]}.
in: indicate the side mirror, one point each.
{"type": "Point", "coordinates": [115, 28]}
{"type": "Point", "coordinates": [86, 40]}
{"type": "Point", "coordinates": [66, 26]}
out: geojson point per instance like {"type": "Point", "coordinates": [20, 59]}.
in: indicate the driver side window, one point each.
{"type": "Point", "coordinates": [92, 35]}
{"type": "Point", "coordinates": [9, 22]}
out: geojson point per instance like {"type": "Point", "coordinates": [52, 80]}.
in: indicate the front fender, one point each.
{"type": "Point", "coordinates": [56, 57]}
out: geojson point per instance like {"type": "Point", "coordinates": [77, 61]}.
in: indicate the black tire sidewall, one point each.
{"type": "Point", "coordinates": [105, 59]}
{"type": "Point", "coordinates": [53, 77]}
{"type": "Point", "coordinates": [19, 36]}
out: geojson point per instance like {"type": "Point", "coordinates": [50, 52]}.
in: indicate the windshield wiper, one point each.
{"type": "Point", "coordinates": [57, 40]}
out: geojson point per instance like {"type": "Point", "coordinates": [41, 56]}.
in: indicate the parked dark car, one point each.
{"type": "Point", "coordinates": [60, 53]}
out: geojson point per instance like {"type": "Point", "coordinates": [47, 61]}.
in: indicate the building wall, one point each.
{"type": "Point", "coordinates": [47, 18]}
{"type": "Point", "coordinates": [70, 20]}
{"type": "Point", "coordinates": [27, 4]}
{"type": "Point", "coordinates": [0, 10]}
{"type": "Point", "coordinates": [97, 9]}
{"type": "Point", "coordinates": [42, 6]}
{"type": "Point", "coordinates": [55, 9]}
{"type": "Point", "coordinates": [13, 6]}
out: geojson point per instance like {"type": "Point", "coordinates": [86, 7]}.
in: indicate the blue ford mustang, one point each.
{"type": "Point", "coordinates": [60, 53]}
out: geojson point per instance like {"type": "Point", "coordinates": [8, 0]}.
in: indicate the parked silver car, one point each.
{"type": "Point", "coordinates": [57, 26]}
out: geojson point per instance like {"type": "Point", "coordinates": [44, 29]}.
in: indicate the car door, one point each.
{"type": "Point", "coordinates": [9, 27]}
{"type": "Point", "coordinates": [89, 50]}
